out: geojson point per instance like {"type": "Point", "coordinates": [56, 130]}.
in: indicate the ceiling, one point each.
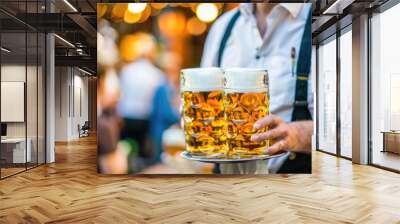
{"type": "Point", "coordinates": [76, 24]}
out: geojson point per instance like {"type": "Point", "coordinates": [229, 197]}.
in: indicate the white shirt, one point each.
{"type": "Point", "coordinates": [139, 81]}
{"type": "Point", "coordinates": [285, 28]}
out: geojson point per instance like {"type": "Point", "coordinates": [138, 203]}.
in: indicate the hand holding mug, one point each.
{"type": "Point", "coordinates": [292, 136]}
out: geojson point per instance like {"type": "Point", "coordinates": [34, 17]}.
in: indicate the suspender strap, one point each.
{"type": "Point", "coordinates": [225, 38]}
{"type": "Point", "coordinates": [300, 111]}
{"type": "Point", "coordinates": [301, 162]}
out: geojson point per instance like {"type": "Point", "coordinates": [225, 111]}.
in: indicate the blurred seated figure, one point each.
{"type": "Point", "coordinates": [139, 79]}
{"type": "Point", "coordinates": [112, 159]}
{"type": "Point", "coordinates": [84, 129]}
{"type": "Point", "coordinates": [166, 101]}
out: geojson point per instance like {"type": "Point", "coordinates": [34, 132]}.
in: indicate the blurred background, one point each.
{"type": "Point", "coordinates": [141, 48]}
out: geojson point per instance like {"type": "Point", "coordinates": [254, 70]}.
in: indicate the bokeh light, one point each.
{"type": "Point", "coordinates": [118, 11]}
{"type": "Point", "coordinates": [101, 10]}
{"type": "Point", "coordinates": [155, 12]}
{"type": "Point", "coordinates": [219, 6]}
{"type": "Point", "coordinates": [207, 12]}
{"type": "Point", "coordinates": [137, 7]}
{"type": "Point", "coordinates": [145, 15]}
{"type": "Point", "coordinates": [107, 51]}
{"type": "Point", "coordinates": [136, 45]}
{"type": "Point", "coordinates": [195, 27]}
{"type": "Point", "coordinates": [158, 5]}
{"type": "Point", "coordinates": [172, 23]}
{"type": "Point", "coordinates": [193, 7]}
{"type": "Point", "coordinates": [130, 17]}
{"type": "Point", "coordinates": [111, 88]}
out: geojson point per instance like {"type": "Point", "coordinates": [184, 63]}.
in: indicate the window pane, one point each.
{"type": "Point", "coordinates": [386, 88]}
{"type": "Point", "coordinates": [15, 150]}
{"type": "Point", "coordinates": [327, 97]}
{"type": "Point", "coordinates": [346, 94]}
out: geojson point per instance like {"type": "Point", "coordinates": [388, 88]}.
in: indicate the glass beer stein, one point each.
{"type": "Point", "coordinates": [246, 101]}
{"type": "Point", "coordinates": [202, 92]}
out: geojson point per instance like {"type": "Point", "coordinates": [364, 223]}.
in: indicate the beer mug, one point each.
{"type": "Point", "coordinates": [202, 92]}
{"type": "Point", "coordinates": [246, 101]}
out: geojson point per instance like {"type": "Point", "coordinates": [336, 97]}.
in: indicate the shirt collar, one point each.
{"type": "Point", "coordinates": [293, 8]}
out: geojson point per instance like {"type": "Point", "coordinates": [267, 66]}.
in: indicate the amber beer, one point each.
{"type": "Point", "coordinates": [202, 91]}
{"type": "Point", "coordinates": [173, 141]}
{"type": "Point", "coordinates": [246, 101]}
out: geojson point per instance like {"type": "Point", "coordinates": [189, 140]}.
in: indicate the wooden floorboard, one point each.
{"type": "Point", "coordinates": [70, 191]}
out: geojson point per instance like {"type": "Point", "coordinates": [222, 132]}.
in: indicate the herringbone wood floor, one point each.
{"type": "Point", "coordinates": [70, 191]}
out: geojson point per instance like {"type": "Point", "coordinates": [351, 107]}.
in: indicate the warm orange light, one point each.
{"type": "Point", "coordinates": [186, 4]}
{"type": "Point", "coordinates": [131, 17]}
{"type": "Point", "coordinates": [195, 27]}
{"type": "Point", "coordinates": [155, 12]}
{"type": "Point", "coordinates": [193, 7]}
{"type": "Point", "coordinates": [136, 45]}
{"type": "Point", "coordinates": [158, 5]}
{"type": "Point", "coordinates": [174, 4]}
{"type": "Point", "coordinates": [137, 7]}
{"type": "Point", "coordinates": [230, 6]}
{"type": "Point", "coordinates": [127, 47]}
{"type": "Point", "coordinates": [219, 5]}
{"type": "Point", "coordinates": [172, 23]}
{"type": "Point", "coordinates": [118, 11]}
{"type": "Point", "coordinates": [145, 15]}
{"type": "Point", "coordinates": [101, 10]}
{"type": "Point", "coordinates": [207, 12]}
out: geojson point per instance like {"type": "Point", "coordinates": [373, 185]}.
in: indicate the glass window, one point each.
{"type": "Point", "coordinates": [385, 84]}
{"type": "Point", "coordinates": [15, 150]}
{"type": "Point", "coordinates": [346, 94]}
{"type": "Point", "coordinates": [327, 96]}
{"type": "Point", "coordinates": [22, 90]}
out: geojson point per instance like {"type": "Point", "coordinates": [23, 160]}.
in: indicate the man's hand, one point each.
{"type": "Point", "coordinates": [293, 136]}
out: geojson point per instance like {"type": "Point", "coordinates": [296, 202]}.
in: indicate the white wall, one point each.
{"type": "Point", "coordinates": [12, 73]}
{"type": "Point", "coordinates": [71, 93]}
{"type": "Point", "coordinates": [61, 103]}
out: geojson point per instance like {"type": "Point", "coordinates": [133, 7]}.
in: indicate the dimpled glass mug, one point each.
{"type": "Point", "coordinates": [202, 92]}
{"type": "Point", "coordinates": [246, 100]}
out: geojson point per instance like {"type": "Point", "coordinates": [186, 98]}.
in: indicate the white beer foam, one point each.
{"type": "Point", "coordinates": [202, 79]}
{"type": "Point", "coordinates": [246, 80]}
{"type": "Point", "coordinates": [244, 90]}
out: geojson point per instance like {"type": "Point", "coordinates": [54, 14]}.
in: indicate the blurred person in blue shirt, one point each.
{"type": "Point", "coordinates": [166, 101]}
{"type": "Point", "coordinates": [139, 80]}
